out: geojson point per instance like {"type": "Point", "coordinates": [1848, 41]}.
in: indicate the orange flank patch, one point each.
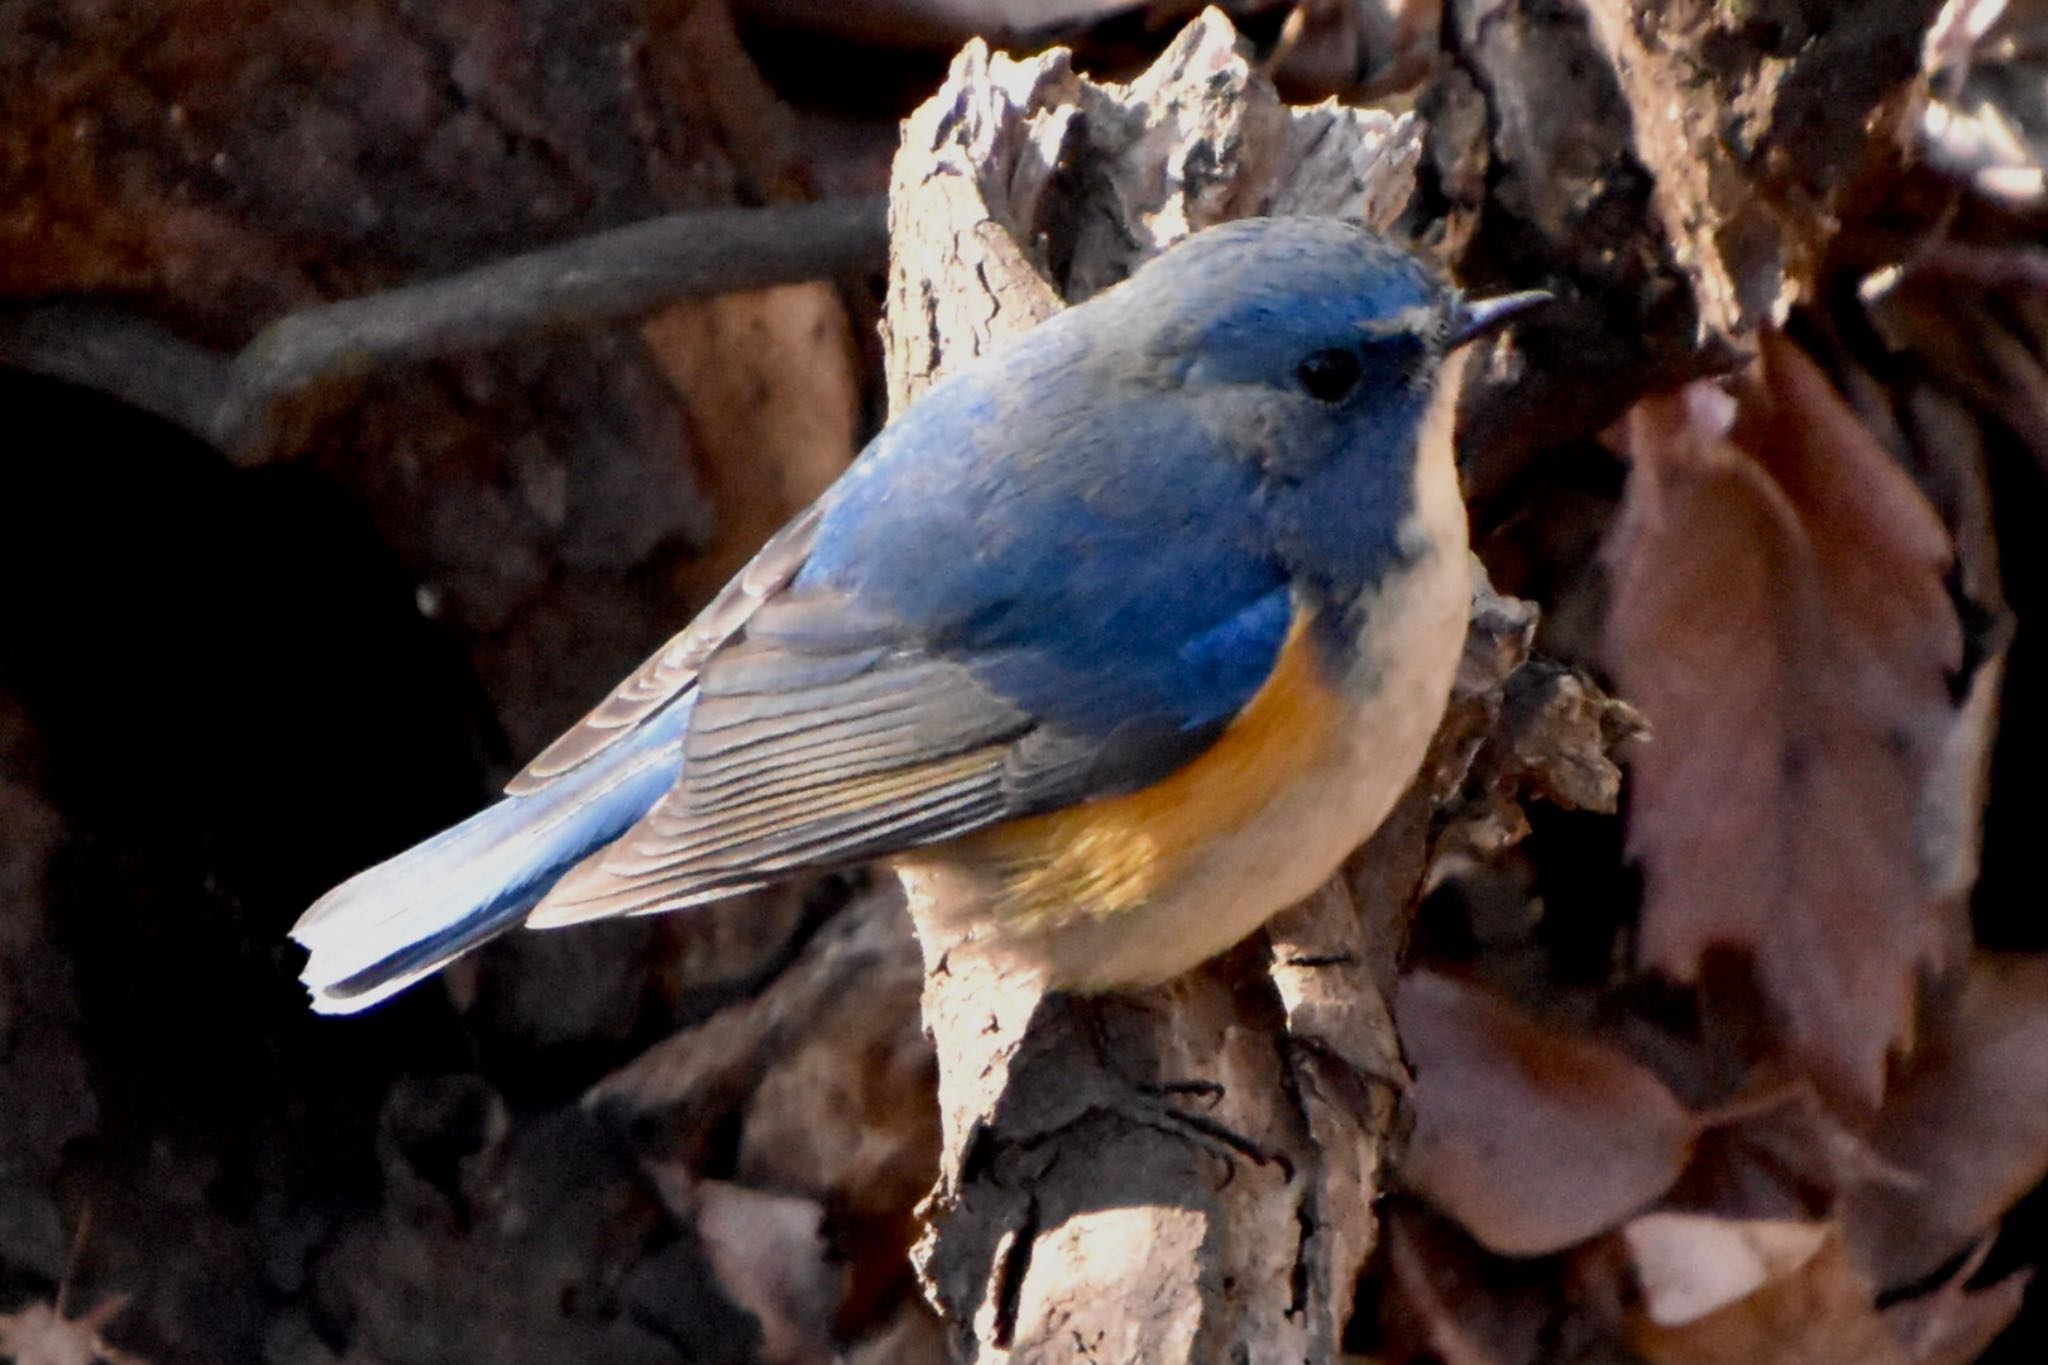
{"type": "Point", "coordinates": [1107, 856]}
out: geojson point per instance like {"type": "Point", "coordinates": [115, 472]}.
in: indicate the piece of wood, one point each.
{"type": "Point", "coordinates": [1184, 1174]}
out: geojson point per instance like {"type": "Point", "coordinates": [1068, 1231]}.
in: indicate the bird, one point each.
{"type": "Point", "coordinates": [1114, 643]}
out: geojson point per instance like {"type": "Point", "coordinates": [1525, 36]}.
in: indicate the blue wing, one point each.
{"type": "Point", "coordinates": [972, 635]}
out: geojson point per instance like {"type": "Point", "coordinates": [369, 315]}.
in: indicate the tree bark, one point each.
{"type": "Point", "coordinates": [1185, 1174]}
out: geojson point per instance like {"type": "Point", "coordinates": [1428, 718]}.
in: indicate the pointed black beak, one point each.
{"type": "Point", "coordinates": [1474, 318]}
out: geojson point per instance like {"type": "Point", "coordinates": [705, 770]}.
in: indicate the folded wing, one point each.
{"type": "Point", "coordinates": [824, 734]}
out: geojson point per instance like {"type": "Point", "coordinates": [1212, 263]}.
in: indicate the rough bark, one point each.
{"type": "Point", "coordinates": [1186, 1174]}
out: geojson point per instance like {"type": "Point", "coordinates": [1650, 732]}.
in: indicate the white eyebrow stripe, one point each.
{"type": "Point", "coordinates": [1417, 319]}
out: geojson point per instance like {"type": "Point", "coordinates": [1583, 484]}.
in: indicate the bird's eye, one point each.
{"type": "Point", "coordinates": [1329, 376]}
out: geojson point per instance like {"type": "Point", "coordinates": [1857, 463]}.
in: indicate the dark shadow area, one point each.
{"type": "Point", "coordinates": [236, 702]}
{"type": "Point", "coordinates": [226, 692]}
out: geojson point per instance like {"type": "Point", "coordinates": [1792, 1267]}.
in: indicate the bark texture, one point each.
{"type": "Point", "coordinates": [1187, 1174]}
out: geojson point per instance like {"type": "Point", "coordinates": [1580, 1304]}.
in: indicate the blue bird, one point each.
{"type": "Point", "coordinates": [1116, 642]}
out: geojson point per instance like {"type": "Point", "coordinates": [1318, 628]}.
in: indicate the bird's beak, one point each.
{"type": "Point", "coordinates": [1474, 318]}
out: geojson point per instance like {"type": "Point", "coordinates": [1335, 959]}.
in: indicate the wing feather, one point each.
{"type": "Point", "coordinates": [846, 823]}
{"type": "Point", "coordinates": [805, 750]}
{"type": "Point", "coordinates": [673, 668]}
{"type": "Point", "coordinates": [811, 750]}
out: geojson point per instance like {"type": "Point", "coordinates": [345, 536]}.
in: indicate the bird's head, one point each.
{"type": "Point", "coordinates": [1326, 357]}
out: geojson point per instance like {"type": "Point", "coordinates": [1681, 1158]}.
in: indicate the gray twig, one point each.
{"type": "Point", "coordinates": [116, 353]}
{"type": "Point", "coordinates": [620, 273]}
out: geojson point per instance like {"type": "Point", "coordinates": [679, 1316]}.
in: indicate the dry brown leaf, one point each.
{"type": "Point", "coordinates": [1779, 616]}
{"type": "Point", "coordinates": [1780, 1151]}
{"type": "Point", "coordinates": [688, 1082]}
{"type": "Point", "coordinates": [1448, 1303]}
{"type": "Point", "coordinates": [40, 1334]}
{"type": "Point", "coordinates": [1970, 1121]}
{"type": "Point", "coordinates": [1985, 122]}
{"type": "Point", "coordinates": [772, 1259]}
{"type": "Point", "coordinates": [1362, 50]}
{"type": "Point", "coordinates": [1824, 1313]}
{"type": "Point", "coordinates": [1691, 1264]}
{"type": "Point", "coordinates": [1953, 1326]}
{"type": "Point", "coordinates": [1530, 1137]}
{"type": "Point", "coordinates": [848, 1114]}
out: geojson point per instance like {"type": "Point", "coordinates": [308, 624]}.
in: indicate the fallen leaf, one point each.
{"type": "Point", "coordinates": [1439, 1306]}
{"type": "Point", "coordinates": [1780, 1151]}
{"type": "Point", "coordinates": [1983, 121]}
{"type": "Point", "coordinates": [1822, 1313]}
{"type": "Point", "coordinates": [1363, 50]}
{"type": "Point", "coordinates": [1954, 1326]}
{"type": "Point", "coordinates": [772, 1259]}
{"type": "Point", "coordinates": [40, 1334]}
{"type": "Point", "coordinates": [686, 1084]}
{"type": "Point", "coordinates": [1552, 736]}
{"type": "Point", "coordinates": [1531, 1137]}
{"type": "Point", "coordinates": [1779, 615]}
{"type": "Point", "coordinates": [849, 1113]}
{"type": "Point", "coordinates": [1970, 1122]}
{"type": "Point", "coordinates": [1691, 1264]}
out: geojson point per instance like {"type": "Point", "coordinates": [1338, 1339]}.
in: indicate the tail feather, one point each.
{"type": "Point", "coordinates": [384, 929]}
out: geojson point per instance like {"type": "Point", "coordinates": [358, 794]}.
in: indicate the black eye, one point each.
{"type": "Point", "coordinates": [1329, 376]}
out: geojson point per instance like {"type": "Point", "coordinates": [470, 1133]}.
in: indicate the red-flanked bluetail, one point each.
{"type": "Point", "coordinates": [1116, 643]}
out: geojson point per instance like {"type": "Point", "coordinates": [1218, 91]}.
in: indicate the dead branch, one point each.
{"type": "Point", "coordinates": [233, 403]}
{"type": "Point", "coordinates": [1070, 1220]}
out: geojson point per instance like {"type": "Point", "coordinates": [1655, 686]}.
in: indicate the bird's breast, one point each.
{"type": "Point", "coordinates": [1135, 889]}
{"type": "Point", "coordinates": [1107, 858]}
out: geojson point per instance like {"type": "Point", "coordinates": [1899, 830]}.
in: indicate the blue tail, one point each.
{"type": "Point", "coordinates": [384, 929]}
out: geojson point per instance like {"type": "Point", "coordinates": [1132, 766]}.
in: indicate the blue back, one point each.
{"type": "Point", "coordinates": [1086, 550]}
